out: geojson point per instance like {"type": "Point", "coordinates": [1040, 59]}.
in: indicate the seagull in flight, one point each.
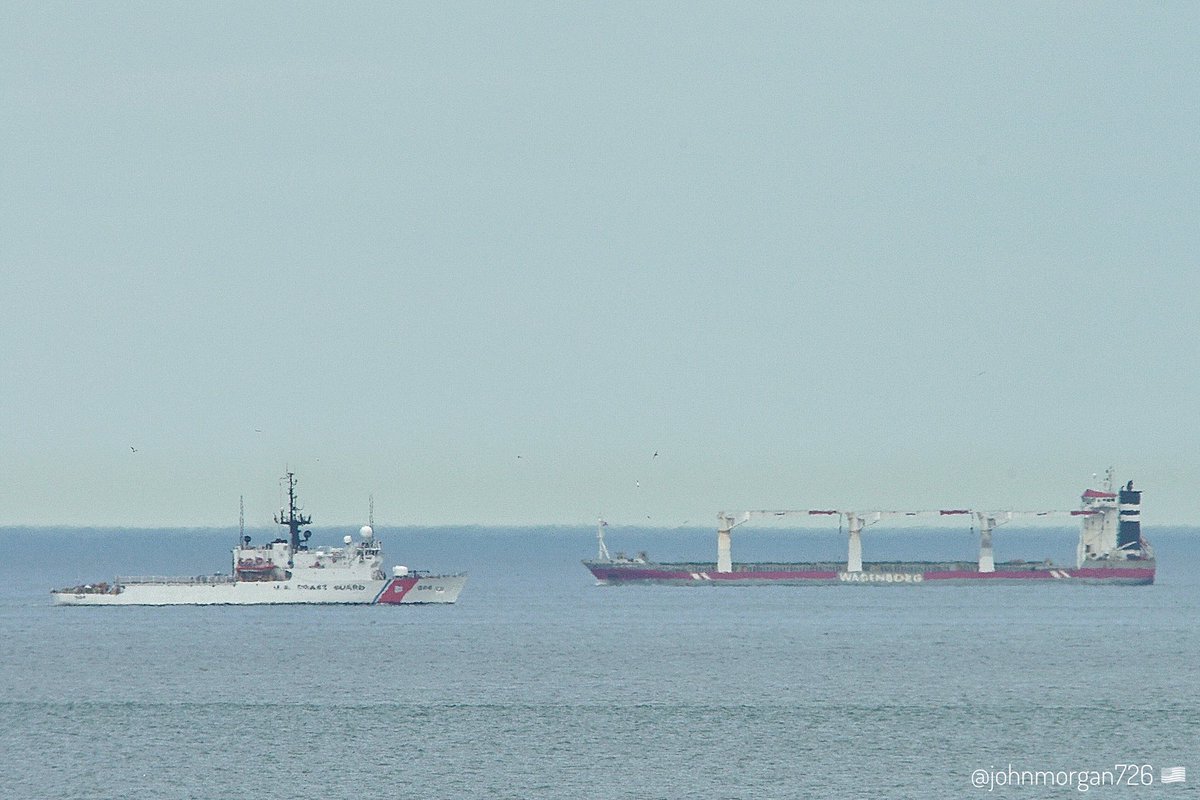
{"type": "Point", "coordinates": [134, 449]}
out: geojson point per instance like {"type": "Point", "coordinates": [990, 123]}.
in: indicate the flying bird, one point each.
{"type": "Point", "coordinates": [134, 449]}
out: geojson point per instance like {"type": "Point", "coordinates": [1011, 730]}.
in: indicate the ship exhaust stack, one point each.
{"type": "Point", "coordinates": [1129, 531]}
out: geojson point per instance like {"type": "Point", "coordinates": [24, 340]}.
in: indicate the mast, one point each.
{"type": "Point", "coordinates": [294, 519]}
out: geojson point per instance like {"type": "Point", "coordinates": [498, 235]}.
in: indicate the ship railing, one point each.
{"type": "Point", "coordinates": [194, 579]}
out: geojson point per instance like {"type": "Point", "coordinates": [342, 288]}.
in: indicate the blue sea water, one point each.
{"type": "Point", "coordinates": [540, 684]}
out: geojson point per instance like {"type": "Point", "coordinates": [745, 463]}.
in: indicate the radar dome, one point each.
{"type": "Point", "coordinates": [366, 533]}
{"type": "Point", "coordinates": [348, 539]}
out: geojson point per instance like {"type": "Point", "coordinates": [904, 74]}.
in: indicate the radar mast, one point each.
{"type": "Point", "coordinates": [294, 519]}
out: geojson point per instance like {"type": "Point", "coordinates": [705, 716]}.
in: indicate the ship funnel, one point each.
{"type": "Point", "coordinates": [1129, 533]}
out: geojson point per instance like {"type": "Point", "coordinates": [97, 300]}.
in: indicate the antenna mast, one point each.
{"type": "Point", "coordinates": [294, 519]}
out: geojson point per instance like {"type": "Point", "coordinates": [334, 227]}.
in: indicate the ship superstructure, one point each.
{"type": "Point", "coordinates": [283, 571]}
{"type": "Point", "coordinates": [1111, 550]}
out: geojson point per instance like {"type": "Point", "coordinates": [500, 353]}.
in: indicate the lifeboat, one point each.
{"type": "Point", "coordinates": [256, 569]}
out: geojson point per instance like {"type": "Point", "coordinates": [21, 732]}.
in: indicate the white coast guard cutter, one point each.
{"type": "Point", "coordinates": [285, 571]}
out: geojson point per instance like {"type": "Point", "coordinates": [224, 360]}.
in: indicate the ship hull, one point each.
{"type": "Point", "coordinates": [408, 590]}
{"type": "Point", "coordinates": [873, 574]}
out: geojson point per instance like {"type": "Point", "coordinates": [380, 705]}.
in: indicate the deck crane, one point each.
{"type": "Point", "coordinates": [856, 521]}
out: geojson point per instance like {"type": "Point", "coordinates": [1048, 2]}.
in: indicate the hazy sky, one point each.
{"type": "Point", "coordinates": [483, 260]}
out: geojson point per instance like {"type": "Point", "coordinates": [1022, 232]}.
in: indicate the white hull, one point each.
{"type": "Point", "coordinates": [284, 571]}
{"type": "Point", "coordinates": [393, 591]}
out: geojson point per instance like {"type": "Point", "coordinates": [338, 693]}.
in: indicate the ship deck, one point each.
{"type": "Point", "coordinates": [825, 566]}
{"type": "Point", "coordinates": [188, 580]}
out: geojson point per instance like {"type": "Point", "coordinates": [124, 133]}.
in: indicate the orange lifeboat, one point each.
{"type": "Point", "coordinates": [256, 569]}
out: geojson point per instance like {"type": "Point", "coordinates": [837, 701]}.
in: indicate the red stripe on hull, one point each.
{"type": "Point", "coordinates": [1146, 574]}
{"type": "Point", "coordinates": [651, 575]}
{"type": "Point", "coordinates": [959, 575]}
{"type": "Point", "coordinates": [394, 592]}
{"type": "Point", "coordinates": [807, 575]}
{"type": "Point", "coordinates": [711, 577]}
{"type": "Point", "coordinates": [1080, 574]}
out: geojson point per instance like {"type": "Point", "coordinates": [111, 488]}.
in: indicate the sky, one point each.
{"type": "Point", "coordinates": [482, 261]}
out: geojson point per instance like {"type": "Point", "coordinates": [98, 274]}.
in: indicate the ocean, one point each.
{"type": "Point", "coordinates": [540, 684]}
